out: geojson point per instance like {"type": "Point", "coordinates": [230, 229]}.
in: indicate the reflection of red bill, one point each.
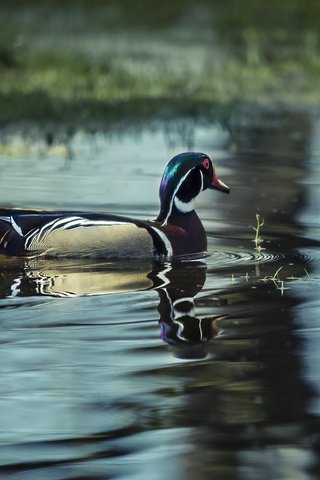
{"type": "Point", "coordinates": [219, 185]}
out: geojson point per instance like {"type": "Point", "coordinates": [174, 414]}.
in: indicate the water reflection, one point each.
{"type": "Point", "coordinates": [87, 385]}
{"type": "Point", "coordinates": [176, 284]}
{"type": "Point", "coordinates": [180, 326]}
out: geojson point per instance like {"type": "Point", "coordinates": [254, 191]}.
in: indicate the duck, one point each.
{"type": "Point", "coordinates": [176, 231]}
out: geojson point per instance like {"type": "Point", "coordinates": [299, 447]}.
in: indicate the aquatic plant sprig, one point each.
{"type": "Point", "coordinates": [279, 282]}
{"type": "Point", "coordinates": [257, 239]}
{"type": "Point", "coordinates": [275, 278]}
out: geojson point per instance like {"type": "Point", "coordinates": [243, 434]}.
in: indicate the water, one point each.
{"type": "Point", "coordinates": [197, 369]}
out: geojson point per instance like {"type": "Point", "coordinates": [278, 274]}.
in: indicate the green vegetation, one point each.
{"type": "Point", "coordinates": [94, 63]}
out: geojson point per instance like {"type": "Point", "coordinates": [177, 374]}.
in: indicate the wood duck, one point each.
{"type": "Point", "coordinates": [176, 231]}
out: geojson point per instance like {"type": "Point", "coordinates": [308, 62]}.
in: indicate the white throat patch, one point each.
{"type": "Point", "coordinates": [182, 206]}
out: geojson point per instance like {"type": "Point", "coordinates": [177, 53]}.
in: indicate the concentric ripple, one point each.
{"type": "Point", "coordinates": [226, 258]}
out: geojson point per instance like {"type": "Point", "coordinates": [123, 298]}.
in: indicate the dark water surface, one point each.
{"type": "Point", "coordinates": [195, 369]}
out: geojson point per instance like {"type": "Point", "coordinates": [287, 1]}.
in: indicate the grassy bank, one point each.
{"type": "Point", "coordinates": [90, 64]}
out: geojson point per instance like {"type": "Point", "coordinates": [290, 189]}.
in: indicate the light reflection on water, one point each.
{"type": "Point", "coordinates": [123, 378]}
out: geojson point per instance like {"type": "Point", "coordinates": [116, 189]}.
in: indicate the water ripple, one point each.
{"type": "Point", "coordinates": [227, 258]}
{"type": "Point", "coordinates": [308, 255]}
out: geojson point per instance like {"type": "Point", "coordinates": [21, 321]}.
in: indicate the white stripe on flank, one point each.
{"type": "Point", "coordinates": [165, 240]}
{"type": "Point", "coordinates": [54, 224]}
{"type": "Point", "coordinates": [74, 222]}
{"type": "Point", "coordinates": [40, 234]}
{"type": "Point", "coordinates": [44, 230]}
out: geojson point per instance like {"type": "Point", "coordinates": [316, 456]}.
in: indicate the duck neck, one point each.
{"type": "Point", "coordinates": [195, 238]}
{"type": "Point", "coordinates": [176, 208]}
{"type": "Point", "coordinates": [188, 220]}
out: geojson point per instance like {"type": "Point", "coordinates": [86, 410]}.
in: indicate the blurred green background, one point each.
{"type": "Point", "coordinates": [92, 63]}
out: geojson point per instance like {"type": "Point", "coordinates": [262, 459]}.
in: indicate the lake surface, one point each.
{"type": "Point", "coordinates": [194, 369]}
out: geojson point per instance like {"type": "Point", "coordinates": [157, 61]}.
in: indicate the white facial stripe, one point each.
{"type": "Point", "coordinates": [174, 194]}
{"type": "Point", "coordinates": [201, 176]}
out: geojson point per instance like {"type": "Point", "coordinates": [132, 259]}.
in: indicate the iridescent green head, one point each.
{"type": "Point", "coordinates": [184, 177]}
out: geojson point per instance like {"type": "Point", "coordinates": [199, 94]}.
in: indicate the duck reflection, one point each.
{"type": "Point", "coordinates": [177, 283]}
{"type": "Point", "coordinates": [180, 327]}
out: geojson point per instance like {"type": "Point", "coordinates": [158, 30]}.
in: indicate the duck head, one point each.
{"type": "Point", "coordinates": [184, 177]}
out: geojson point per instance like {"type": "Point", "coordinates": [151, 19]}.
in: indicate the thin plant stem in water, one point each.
{"type": "Point", "coordinates": [276, 277]}
{"type": "Point", "coordinates": [257, 239]}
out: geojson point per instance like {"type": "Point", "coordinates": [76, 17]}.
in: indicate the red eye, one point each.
{"type": "Point", "coordinates": [206, 163]}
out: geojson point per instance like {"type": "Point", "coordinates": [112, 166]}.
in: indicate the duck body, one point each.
{"type": "Point", "coordinates": [32, 232]}
{"type": "Point", "coordinates": [176, 231]}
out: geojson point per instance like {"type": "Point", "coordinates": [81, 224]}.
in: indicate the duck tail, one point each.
{"type": "Point", "coordinates": [11, 243]}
